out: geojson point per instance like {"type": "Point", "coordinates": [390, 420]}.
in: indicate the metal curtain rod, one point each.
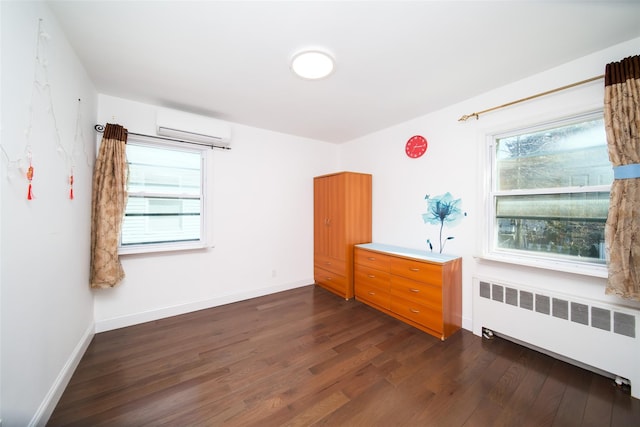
{"type": "Point", "coordinates": [477, 115]}
{"type": "Point", "coordinates": [100, 128]}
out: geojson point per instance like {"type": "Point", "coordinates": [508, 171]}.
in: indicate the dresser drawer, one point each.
{"type": "Point", "coordinates": [420, 293]}
{"type": "Point", "coordinates": [372, 277]}
{"type": "Point", "coordinates": [331, 264]}
{"type": "Point", "coordinates": [373, 294]}
{"type": "Point", "coordinates": [418, 313]}
{"type": "Point", "coordinates": [372, 259]}
{"type": "Point", "coordinates": [331, 280]}
{"type": "Point", "coordinates": [417, 270]}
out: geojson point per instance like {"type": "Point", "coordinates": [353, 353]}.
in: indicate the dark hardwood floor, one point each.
{"type": "Point", "coordinates": [306, 357]}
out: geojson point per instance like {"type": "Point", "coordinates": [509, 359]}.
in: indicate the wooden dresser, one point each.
{"type": "Point", "coordinates": [421, 288]}
{"type": "Point", "coordinates": [342, 218]}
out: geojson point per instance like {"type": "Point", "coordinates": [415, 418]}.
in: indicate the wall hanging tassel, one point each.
{"type": "Point", "coordinates": [30, 178]}
{"type": "Point", "coordinates": [71, 185]}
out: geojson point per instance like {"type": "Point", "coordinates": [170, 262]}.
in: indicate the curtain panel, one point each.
{"type": "Point", "coordinates": [622, 125]}
{"type": "Point", "coordinates": [107, 207]}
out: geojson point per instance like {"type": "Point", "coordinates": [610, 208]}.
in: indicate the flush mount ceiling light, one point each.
{"type": "Point", "coordinates": [312, 64]}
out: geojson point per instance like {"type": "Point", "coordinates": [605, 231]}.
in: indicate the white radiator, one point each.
{"type": "Point", "coordinates": [594, 335]}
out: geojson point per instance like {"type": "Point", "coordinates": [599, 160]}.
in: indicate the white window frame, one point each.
{"type": "Point", "coordinates": [205, 159]}
{"type": "Point", "coordinates": [490, 251]}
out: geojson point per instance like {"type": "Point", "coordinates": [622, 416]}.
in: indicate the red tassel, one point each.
{"type": "Point", "coordinates": [30, 177]}
{"type": "Point", "coordinates": [71, 186]}
{"type": "Point", "coordinates": [71, 194]}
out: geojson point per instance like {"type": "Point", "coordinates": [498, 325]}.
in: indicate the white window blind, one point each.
{"type": "Point", "coordinates": [165, 207]}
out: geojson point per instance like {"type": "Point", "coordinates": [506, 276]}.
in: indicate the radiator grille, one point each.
{"type": "Point", "coordinates": [561, 308]}
{"type": "Point", "coordinates": [624, 324]}
{"type": "Point", "coordinates": [596, 317]}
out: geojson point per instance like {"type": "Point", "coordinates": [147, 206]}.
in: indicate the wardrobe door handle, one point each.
{"type": "Point", "coordinates": [414, 269]}
{"type": "Point", "coordinates": [415, 291]}
{"type": "Point", "coordinates": [413, 310]}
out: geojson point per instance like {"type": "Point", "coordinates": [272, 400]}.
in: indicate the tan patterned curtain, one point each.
{"type": "Point", "coordinates": [107, 207]}
{"type": "Point", "coordinates": [622, 124]}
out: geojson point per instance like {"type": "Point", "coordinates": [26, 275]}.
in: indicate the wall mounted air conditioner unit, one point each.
{"type": "Point", "coordinates": [193, 128]}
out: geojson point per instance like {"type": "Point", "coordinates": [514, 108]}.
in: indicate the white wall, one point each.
{"type": "Point", "coordinates": [454, 162]}
{"type": "Point", "coordinates": [262, 226]}
{"type": "Point", "coordinates": [47, 307]}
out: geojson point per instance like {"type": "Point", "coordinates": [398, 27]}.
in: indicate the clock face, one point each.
{"type": "Point", "coordinates": [416, 146]}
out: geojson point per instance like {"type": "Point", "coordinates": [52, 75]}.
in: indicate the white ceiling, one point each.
{"type": "Point", "coordinates": [396, 60]}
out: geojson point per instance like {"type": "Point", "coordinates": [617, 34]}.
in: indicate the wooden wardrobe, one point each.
{"type": "Point", "coordinates": [342, 219]}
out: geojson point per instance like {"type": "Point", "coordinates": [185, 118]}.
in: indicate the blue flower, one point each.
{"type": "Point", "coordinates": [443, 209]}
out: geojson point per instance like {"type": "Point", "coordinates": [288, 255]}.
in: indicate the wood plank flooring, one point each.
{"type": "Point", "coordinates": [306, 357]}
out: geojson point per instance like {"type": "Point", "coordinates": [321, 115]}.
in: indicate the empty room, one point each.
{"type": "Point", "coordinates": [339, 213]}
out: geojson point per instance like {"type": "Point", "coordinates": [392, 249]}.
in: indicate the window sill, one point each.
{"type": "Point", "coordinates": [583, 269]}
{"type": "Point", "coordinates": [164, 247]}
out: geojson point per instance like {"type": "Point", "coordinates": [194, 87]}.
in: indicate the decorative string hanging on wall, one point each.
{"type": "Point", "coordinates": [27, 151]}
{"type": "Point", "coordinates": [40, 84]}
{"type": "Point", "coordinates": [41, 87]}
{"type": "Point", "coordinates": [78, 140]}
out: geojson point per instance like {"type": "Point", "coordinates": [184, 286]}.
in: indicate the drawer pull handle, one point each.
{"type": "Point", "coordinates": [327, 263]}
{"type": "Point", "coordinates": [415, 291]}
{"type": "Point", "coordinates": [371, 293]}
{"type": "Point", "coordinates": [371, 258]}
{"type": "Point", "coordinates": [413, 310]}
{"type": "Point", "coordinates": [371, 276]}
{"type": "Point", "coordinates": [329, 278]}
{"type": "Point", "coordinates": [414, 269]}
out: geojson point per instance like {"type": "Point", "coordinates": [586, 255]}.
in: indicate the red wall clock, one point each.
{"type": "Point", "coordinates": [416, 146]}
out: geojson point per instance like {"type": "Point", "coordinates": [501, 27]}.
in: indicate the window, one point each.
{"type": "Point", "coordinates": [549, 193]}
{"type": "Point", "coordinates": [165, 207]}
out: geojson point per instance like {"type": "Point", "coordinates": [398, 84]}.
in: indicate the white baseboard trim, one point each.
{"type": "Point", "coordinates": [50, 401]}
{"type": "Point", "coordinates": [467, 324]}
{"type": "Point", "coordinates": [161, 313]}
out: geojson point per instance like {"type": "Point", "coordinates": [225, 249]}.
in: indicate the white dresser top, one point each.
{"type": "Point", "coordinates": [407, 252]}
